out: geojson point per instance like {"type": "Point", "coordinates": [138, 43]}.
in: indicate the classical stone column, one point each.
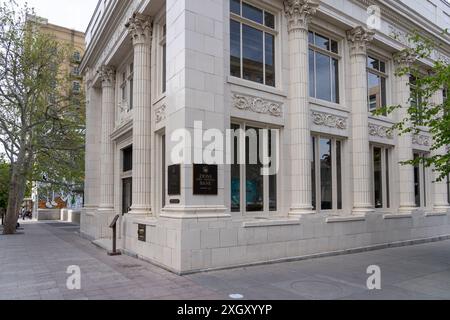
{"type": "Point", "coordinates": [299, 14]}
{"type": "Point", "coordinates": [140, 30]}
{"type": "Point", "coordinates": [358, 39]}
{"type": "Point", "coordinates": [440, 188]}
{"type": "Point", "coordinates": [405, 146]}
{"type": "Point", "coordinates": [108, 77]}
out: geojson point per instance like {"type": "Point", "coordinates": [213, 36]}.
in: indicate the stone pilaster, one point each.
{"type": "Point", "coordinates": [440, 201]}
{"type": "Point", "coordinates": [108, 77]}
{"type": "Point", "coordinates": [358, 39]}
{"type": "Point", "coordinates": [299, 14]}
{"type": "Point", "coordinates": [140, 31]}
{"type": "Point", "coordinates": [405, 146]}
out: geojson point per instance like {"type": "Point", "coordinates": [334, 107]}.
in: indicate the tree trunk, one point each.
{"type": "Point", "coordinates": [16, 196]}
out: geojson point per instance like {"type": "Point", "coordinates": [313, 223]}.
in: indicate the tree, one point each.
{"type": "Point", "coordinates": [422, 111]}
{"type": "Point", "coordinates": [42, 122]}
{"type": "Point", "coordinates": [4, 185]}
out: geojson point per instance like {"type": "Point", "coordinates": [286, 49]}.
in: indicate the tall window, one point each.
{"type": "Point", "coordinates": [249, 186]}
{"type": "Point", "coordinates": [448, 189]}
{"type": "Point", "coordinates": [326, 174]}
{"type": "Point", "coordinates": [323, 68]}
{"type": "Point", "coordinates": [127, 181]}
{"type": "Point", "coordinates": [376, 79]}
{"type": "Point", "coordinates": [416, 101]}
{"type": "Point", "coordinates": [252, 43]}
{"type": "Point", "coordinates": [381, 177]}
{"type": "Point", "coordinates": [127, 87]}
{"type": "Point", "coordinates": [420, 182]}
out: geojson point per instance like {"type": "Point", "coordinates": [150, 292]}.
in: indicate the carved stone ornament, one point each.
{"type": "Point", "coordinates": [140, 29]}
{"type": "Point", "coordinates": [358, 38]}
{"type": "Point", "coordinates": [329, 120]}
{"type": "Point", "coordinates": [299, 13]}
{"type": "Point", "coordinates": [421, 140]}
{"type": "Point", "coordinates": [405, 58]}
{"type": "Point", "coordinates": [380, 131]}
{"type": "Point", "coordinates": [160, 114]}
{"type": "Point", "coordinates": [108, 75]}
{"type": "Point", "coordinates": [257, 105]}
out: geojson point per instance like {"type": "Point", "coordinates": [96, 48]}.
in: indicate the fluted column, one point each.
{"type": "Point", "coordinates": [108, 77]}
{"type": "Point", "coordinates": [405, 146]}
{"type": "Point", "coordinates": [358, 39]}
{"type": "Point", "coordinates": [140, 30]}
{"type": "Point", "coordinates": [299, 14]}
{"type": "Point", "coordinates": [440, 187]}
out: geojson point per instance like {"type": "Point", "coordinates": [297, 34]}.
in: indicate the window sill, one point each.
{"type": "Point", "coordinates": [392, 216]}
{"type": "Point", "coordinates": [267, 222]}
{"type": "Point", "coordinates": [327, 104]}
{"type": "Point", "coordinates": [256, 86]}
{"type": "Point", "coordinates": [346, 219]}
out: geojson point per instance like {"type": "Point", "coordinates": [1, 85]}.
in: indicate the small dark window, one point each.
{"type": "Point", "coordinates": [128, 159]}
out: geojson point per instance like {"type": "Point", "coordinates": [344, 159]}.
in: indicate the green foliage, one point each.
{"type": "Point", "coordinates": [422, 113]}
{"type": "Point", "coordinates": [4, 183]}
{"type": "Point", "coordinates": [43, 122]}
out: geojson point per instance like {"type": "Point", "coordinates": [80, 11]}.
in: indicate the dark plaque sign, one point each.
{"type": "Point", "coordinates": [205, 180]}
{"type": "Point", "coordinates": [175, 201]}
{"type": "Point", "coordinates": [142, 232]}
{"type": "Point", "coordinates": [174, 180]}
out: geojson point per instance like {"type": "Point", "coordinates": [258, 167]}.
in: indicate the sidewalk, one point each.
{"type": "Point", "coordinates": [33, 265]}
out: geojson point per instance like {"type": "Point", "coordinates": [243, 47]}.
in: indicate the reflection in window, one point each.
{"type": "Point", "coordinates": [378, 180]}
{"type": "Point", "coordinates": [323, 68]}
{"type": "Point", "coordinates": [261, 191]}
{"type": "Point", "coordinates": [252, 48]}
{"type": "Point", "coordinates": [420, 182]}
{"type": "Point", "coordinates": [376, 79]}
{"type": "Point", "coordinates": [326, 170]}
{"type": "Point", "coordinates": [381, 177]}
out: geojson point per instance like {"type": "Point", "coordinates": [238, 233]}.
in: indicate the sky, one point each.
{"type": "Point", "coordinates": [72, 14]}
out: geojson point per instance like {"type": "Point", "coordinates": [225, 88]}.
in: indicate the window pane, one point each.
{"type": "Point", "coordinates": [235, 174]}
{"type": "Point", "coordinates": [374, 91]}
{"type": "Point", "coordinates": [383, 93]}
{"type": "Point", "coordinates": [163, 172]}
{"type": "Point", "coordinates": [378, 177]}
{"type": "Point", "coordinates": [235, 47]}
{"type": "Point", "coordinates": [252, 13]}
{"type": "Point", "coordinates": [388, 180]}
{"type": "Point", "coordinates": [448, 189]}
{"type": "Point", "coordinates": [373, 63]}
{"type": "Point", "coordinates": [326, 174]}
{"type": "Point", "coordinates": [270, 60]}
{"type": "Point", "coordinates": [273, 199]}
{"type": "Point", "coordinates": [334, 46]}
{"type": "Point", "coordinates": [235, 6]}
{"type": "Point", "coordinates": [311, 37]}
{"type": "Point", "coordinates": [312, 77]}
{"type": "Point", "coordinates": [127, 164]}
{"type": "Point", "coordinates": [335, 80]}
{"type": "Point", "coordinates": [253, 53]}
{"type": "Point", "coordinates": [382, 66]}
{"type": "Point", "coordinates": [269, 20]}
{"type": "Point", "coordinates": [424, 183]}
{"type": "Point", "coordinates": [323, 74]}
{"type": "Point", "coordinates": [131, 93]}
{"type": "Point", "coordinates": [164, 68]}
{"type": "Point", "coordinates": [322, 42]}
{"type": "Point", "coordinates": [339, 173]}
{"type": "Point", "coordinates": [417, 183]}
{"type": "Point", "coordinates": [313, 174]}
{"type": "Point", "coordinates": [254, 179]}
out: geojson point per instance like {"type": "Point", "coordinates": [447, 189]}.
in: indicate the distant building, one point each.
{"type": "Point", "coordinates": [76, 41]}
{"type": "Point", "coordinates": [311, 69]}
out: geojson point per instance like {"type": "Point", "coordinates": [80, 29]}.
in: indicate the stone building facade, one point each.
{"type": "Point", "coordinates": [313, 70]}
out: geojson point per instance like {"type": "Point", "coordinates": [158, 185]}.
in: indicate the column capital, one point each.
{"type": "Point", "coordinates": [299, 13]}
{"type": "Point", "coordinates": [140, 29]}
{"type": "Point", "coordinates": [107, 75]}
{"type": "Point", "coordinates": [405, 58]}
{"type": "Point", "coordinates": [358, 38]}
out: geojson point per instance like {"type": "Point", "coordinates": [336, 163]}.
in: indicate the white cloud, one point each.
{"type": "Point", "coordinates": [66, 13]}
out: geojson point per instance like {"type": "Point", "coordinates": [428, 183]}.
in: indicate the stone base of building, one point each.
{"type": "Point", "coordinates": [189, 245]}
